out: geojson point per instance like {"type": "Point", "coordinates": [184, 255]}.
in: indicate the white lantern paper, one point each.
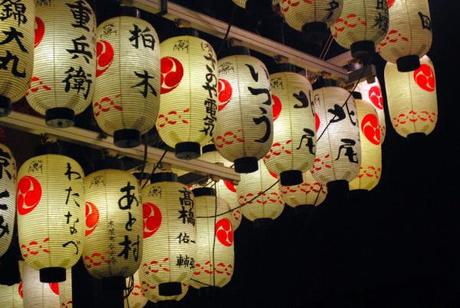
{"type": "Point", "coordinates": [11, 296]}
{"type": "Point", "coordinates": [65, 291]}
{"type": "Point", "coordinates": [38, 294]}
{"type": "Point", "coordinates": [136, 298]}
{"type": "Point", "coordinates": [7, 197]}
{"type": "Point", "coordinates": [151, 292]}
{"type": "Point", "coordinates": [309, 192]}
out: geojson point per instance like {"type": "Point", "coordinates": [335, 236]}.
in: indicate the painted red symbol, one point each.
{"type": "Point", "coordinates": [21, 289]}
{"type": "Point", "coordinates": [224, 88]}
{"type": "Point", "coordinates": [54, 286]}
{"type": "Point", "coordinates": [92, 217]}
{"type": "Point", "coordinates": [224, 232]}
{"type": "Point", "coordinates": [172, 72]}
{"type": "Point", "coordinates": [29, 194]}
{"type": "Point", "coordinates": [277, 106]}
{"type": "Point", "coordinates": [152, 219]}
{"type": "Point", "coordinates": [105, 54]}
{"type": "Point", "coordinates": [230, 186]}
{"type": "Point", "coordinates": [424, 77]}
{"type": "Point", "coordinates": [390, 3]}
{"type": "Point", "coordinates": [39, 31]}
{"type": "Point", "coordinates": [375, 95]}
{"type": "Point", "coordinates": [317, 122]}
{"type": "Point", "coordinates": [371, 128]}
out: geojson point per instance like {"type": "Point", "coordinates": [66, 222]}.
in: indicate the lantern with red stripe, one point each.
{"type": "Point", "coordinates": [7, 197]}
{"type": "Point", "coordinates": [37, 293]}
{"type": "Point", "coordinates": [309, 192]}
{"type": "Point", "coordinates": [11, 296]}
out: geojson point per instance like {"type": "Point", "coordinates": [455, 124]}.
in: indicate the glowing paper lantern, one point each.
{"type": "Point", "coordinates": [410, 34]}
{"type": "Point", "coordinates": [113, 245]}
{"type": "Point", "coordinates": [244, 127]}
{"type": "Point", "coordinates": [11, 296]}
{"type": "Point", "coordinates": [412, 98]}
{"type": "Point", "coordinates": [169, 234]}
{"type": "Point", "coordinates": [64, 62]}
{"type": "Point", "coordinates": [127, 94]}
{"type": "Point", "coordinates": [188, 94]}
{"type": "Point", "coordinates": [370, 171]}
{"type": "Point", "coordinates": [50, 198]}
{"type": "Point", "coordinates": [269, 204]}
{"type": "Point", "coordinates": [294, 140]}
{"type": "Point", "coordinates": [214, 262]}
{"type": "Point", "coordinates": [152, 293]}
{"type": "Point", "coordinates": [309, 192]}
{"type": "Point", "coordinates": [136, 298]}
{"type": "Point", "coordinates": [7, 197]}
{"type": "Point", "coordinates": [247, 4]}
{"type": "Point", "coordinates": [65, 291]}
{"type": "Point", "coordinates": [16, 51]}
{"type": "Point", "coordinates": [36, 293]}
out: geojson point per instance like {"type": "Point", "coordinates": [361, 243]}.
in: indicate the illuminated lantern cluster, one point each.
{"type": "Point", "coordinates": [50, 198]}
{"type": "Point", "coordinates": [113, 245]}
{"type": "Point", "coordinates": [11, 296]}
{"type": "Point", "coordinates": [409, 35]}
{"type": "Point", "coordinates": [17, 45]}
{"type": "Point", "coordinates": [309, 192]}
{"type": "Point", "coordinates": [244, 127]}
{"type": "Point", "coordinates": [64, 70]}
{"type": "Point", "coordinates": [188, 94]}
{"type": "Point", "coordinates": [38, 294]}
{"type": "Point", "coordinates": [412, 99]}
{"type": "Point", "coordinates": [294, 141]}
{"type": "Point", "coordinates": [127, 95]}
{"type": "Point", "coordinates": [136, 298]}
{"type": "Point", "coordinates": [214, 262]}
{"type": "Point", "coordinates": [7, 197]}
{"type": "Point", "coordinates": [169, 234]}
{"type": "Point", "coordinates": [152, 293]}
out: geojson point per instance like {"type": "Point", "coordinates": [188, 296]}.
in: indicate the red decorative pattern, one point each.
{"type": "Point", "coordinates": [370, 172]}
{"type": "Point", "coordinates": [36, 84]}
{"type": "Point", "coordinates": [228, 138]}
{"type": "Point", "coordinates": [321, 163]}
{"type": "Point", "coordinates": [54, 286]}
{"type": "Point", "coordinates": [147, 286]}
{"type": "Point", "coordinates": [225, 92]}
{"type": "Point", "coordinates": [152, 219]}
{"type": "Point", "coordinates": [172, 73]}
{"type": "Point", "coordinates": [371, 128]}
{"type": "Point", "coordinates": [287, 4]}
{"type": "Point", "coordinates": [155, 266]}
{"type": "Point", "coordinates": [39, 31]}
{"type": "Point", "coordinates": [106, 103]}
{"type": "Point", "coordinates": [172, 118]}
{"type": "Point", "coordinates": [350, 21]}
{"type": "Point", "coordinates": [393, 36]}
{"type": "Point", "coordinates": [265, 198]}
{"type": "Point", "coordinates": [277, 107]}
{"type": "Point", "coordinates": [34, 248]}
{"type": "Point", "coordinates": [92, 217]}
{"type": "Point", "coordinates": [221, 268]}
{"type": "Point", "coordinates": [424, 77]}
{"type": "Point", "coordinates": [414, 117]}
{"type": "Point", "coordinates": [95, 260]}
{"type": "Point", "coordinates": [306, 188]}
{"type": "Point", "coordinates": [105, 54]}
{"type": "Point", "coordinates": [376, 97]}
{"type": "Point", "coordinates": [278, 148]}
{"type": "Point", "coordinates": [29, 194]}
{"type": "Point", "coordinates": [224, 232]}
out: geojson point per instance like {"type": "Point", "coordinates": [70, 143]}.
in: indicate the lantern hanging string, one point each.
{"type": "Point", "coordinates": [144, 160]}
{"type": "Point", "coordinates": [155, 166]}
{"type": "Point", "coordinates": [326, 47]}
{"type": "Point", "coordinates": [227, 33]}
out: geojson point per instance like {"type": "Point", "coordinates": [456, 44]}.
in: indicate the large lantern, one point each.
{"type": "Point", "coordinates": [410, 34]}
{"type": "Point", "coordinates": [188, 94]}
{"type": "Point", "coordinates": [265, 205]}
{"type": "Point", "coordinates": [37, 293]}
{"type": "Point", "coordinates": [136, 298]}
{"type": "Point", "coordinates": [151, 292]}
{"type": "Point", "coordinates": [412, 99]}
{"type": "Point", "coordinates": [214, 262]}
{"type": "Point", "coordinates": [16, 51]}
{"type": "Point", "coordinates": [11, 296]}
{"type": "Point", "coordinates": [113, 246]}
{"type": "Point", "coordinates": [294, 138]}
{"type": "Point", "coordinates": [127, 94]}
{"type": "Point", "coordinates": [169, 234]}
{"type": "Point", "coordinates": [64, 71]}
{"type": "Point", "coordinates": [50, 198]}
{"type": "Point", "coordinates": [244, 127]}
{"type": "Point", "coordinates": [7, 197]}
{"type": "Point", "coordinates": [309, 192]}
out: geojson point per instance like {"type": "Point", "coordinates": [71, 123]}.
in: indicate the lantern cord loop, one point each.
{"type": "Point", "coordinates": [155, 167]}
{"type": "Point", "coordinates": [227, 33]}
{"type": "Point", "coordinates": [144, 161]}
{"type": "Point", "coordinates": [214, 237]}
{"type": "Point", "coordinates": [326, 47]}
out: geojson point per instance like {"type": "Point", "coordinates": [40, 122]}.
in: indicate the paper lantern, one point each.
{"type": "Point", "coordinates": [370, 170]}
{"type": "Point", "coordinates": [294, 138]}
{"type": "Point", "coordinates": [338, 150]}
{"type": "Point", "coordinates": [309, 192]}
{"type": "Point", "coordinates": [361, 25]}
{"type": "Point", "coordinates": [251, 5]}
{"type": "Point", "coordinates": [214, 262]}
{"type": "Point", "coordinates": [136, 298]}
{"type": "Point", "coordinates": [11, 296]}
{"type": "Point", "coordinates": [65, 291]}
{"type": "Point", "coordinates": [64, 68]}
{"type": "Point", "coordinates": [7, 197]}
{"type": "Point", "coordinates": [37, 293]}
{"type": "Point", "coordinates": [169, 234]}
{"type": "Point", "coordinates": [16, 51]}
{"type": "Point", "coordinates": [409, 35]}
{"type": "Point", "coordinates": [412, 99]}
{"type": "Point", "coordinates": [244, 127]}
{"type": "Point", "coordinates": [188, 94]}
{"type": "Point", "coordinates": [151, 292]}
{"type": "Point", "coordinates": [127, 93]}
{"type": "Point", "coordinates": [113, 245]}
{"type": "Point", "coordinates": [50, 198]}
{"type": "Point", "coordinates": [269, 204]}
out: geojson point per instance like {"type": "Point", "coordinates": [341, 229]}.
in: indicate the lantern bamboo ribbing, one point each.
{"type": "Point", "coordinates": [11, 296]}
{"type": "Point", "coordinates": [36, 293]}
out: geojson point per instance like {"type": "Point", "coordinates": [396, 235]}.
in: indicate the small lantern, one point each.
{"type": "Point", "coordinates": [64, 71]}
{"type": "Point", "coordinates": [50, 198]}
{"type": "Point", "coordinates": [136, 298]}
{"type": "Point", "coordinates": [410, 34]}
{"type": "Point", "coordinates": [151, 292]}
{"type": "Point", "coordinates": [16, 51]}
{"type": "Point", "coordinates": [11, 296]}
{"type": "Point", "coordinates": [244, 127]}
{"type": "Point", "coordinates": [7, 197]}
{"type": "Point", "coordinates": [127, 93]}
{"type": "Point", "coordinates": [37, 293]}
{"type": "Point", "coordinates": [412, 99]}
{"type": "Point", "coordinates": [188, 94]}
{"type": "Point", "coordinates": [65, 291]}
{"type": "Point", "coordinates": [309, 192]}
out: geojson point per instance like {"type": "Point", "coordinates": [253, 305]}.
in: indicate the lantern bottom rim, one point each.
{"type": "Point", "coordinates": [60, 117]}
{"type": "Point", "coordinates": [52, 274]}
{"type": "Point", "coordinates": [408, 63]}
{"type": "Point", "coordinates": [246, 164]}
{"type": "Point", "coordinates": [127, 138]}
{"type": "Point", "coordinates": [170, 288]}
{"type": "Point", "coordinates": [291, 177]}
{"type": "Point", "coordinates": [363, 51]}
{"type": "Point", "coordinates": [5, 106]}
{"type": "Point", "coordinates": [187, 150]}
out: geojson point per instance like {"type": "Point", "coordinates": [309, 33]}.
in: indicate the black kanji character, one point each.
{"type": "Point", "coordinates": [348, 146]}
{"type": "Point", "coordinates": [187, 216]}
{"type": "Point", "coordinates": [145, 77]}
{"type": "Point", "coordinates": [15, 9]}
{"type": "Point", "coordinates": [74, 245]}
{"type": "Point", "coordinates": [131, 221]}
{"type": "Point", "coordinates": [254, 73]}
{"type": "Point", "coordinates": [4, 228]}
{"type": "Point", "coordinates": [129, 197]}
{"type": "Point", "coordinates": [340, 114]}
{"type": "Point", "coordinates": [5, 158]}
{"type": "Point", "coordinates": [79, 49]}
{"type": "Point", "coordinates": [148, 40]}
{"type": "Point", "coordinates": [15, 35]}
{"type": "Point", "coordinates": [425, 20]}
{"type": "Point", "coordinates": [268, 125]}
{"type": "Point", "coordinates": [302, 98]}
{"type": "Point", "coordinates": [81, 14]}
{"type": "Point", "coordinates": [78, 79]}
{"type": "Point", "coordinates": [333, 5]}
{"type": "Point", "coordinates": [309, 135]}
{"type": "Point", "coordinates": [5, 61]}
{"type": "Point", "coordinates": [69, 173]}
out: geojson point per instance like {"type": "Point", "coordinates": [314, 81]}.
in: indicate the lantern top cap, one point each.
{"type": "Point", "coordinates": [235, 51]}
{"type": "Point", "coordinates": [163, 177]}
{"type": "Point", "coordinates": [204, 191]}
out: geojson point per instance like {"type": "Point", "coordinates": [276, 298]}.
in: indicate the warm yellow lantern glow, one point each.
{"type": "Point", "coordinates": [16, 51]}
{"type": "Point", "coordinates": [11, 296]}
{"type": "Point", "coordinates": [309, 192]}
{"type": "Point", "coordinates": [244, 127]}
{"type": "Point", "coordinates": [7, 197]}
{"type": "Point", "coordinates": [410, 34]}
{"type": "Point", "coordinates": [113, 245]}
{"type": "Point", "coordinates": [64, 71]}
{"type": "Point", "coordinates": [127, 94]}
{"type": "Point", "coordinates": [50, 199]}
{"type": "Point", "coordinates": [36, 293]}
{"type": "Point", "coordinates": [169, 234]}
{"type": "Point", "coordinates": [188, 94]}
{"type": "Point", "coordinates": [65, 291]}
{"type": "Point", "coordinates": [370, 171]}
{"type": "Point", "coordinates": [268, 205]}
{"type": "Point", "coordinates": [136, 298]}
{"type": "Point", "coordinates": [151, 292]}
{"type": "Point", "coordinates": [294, 138]}
{"type": "Point", "coordinates": [412, 99]}
{"type": "Point", "coordinates": [214, 262]}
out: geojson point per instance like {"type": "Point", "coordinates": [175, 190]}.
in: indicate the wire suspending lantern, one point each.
{"type": "Point", "coordinates": [309, 192]}
{"type": "Point", "coordinates": [11, 296]}
{"type": "Point", "coordinates": [410, 34]}
{"type": "Point", "coordinates": [50, 198]}
{"type": "Point", "coordinates": [188, 94]}
{"type": "Point", "coordinates": [244, 126]}
{"type": "Point", "coordinates": [36, 293]}
{"type": "Point", "coordinates": [64, 68]}
{"type": "Point", "coordinates": [17, 45]}
{"type": "Point", "coordinates": [7, 197]}
{"type": "Point", "coordinates": [127, 94]}
{"type": "Point", "coordinates": [412, 99]}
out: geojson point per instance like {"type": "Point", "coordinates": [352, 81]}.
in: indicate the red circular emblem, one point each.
{"type": "Point", "coordinates": [424, 77]}
{"type": "Point", "coordinates": [92, 217]}
{"type": "Point", "coordinates": [277, 106]}
{"type": "Point", "coordinates": [29, 194]}
{"type": "Point", "coordinates": [54, 286]}
{"type": "Point", "coordinates": [225, 92]}
{"type": "Point", "coordinates": [230, 186]}
{"type": "Point", "coordinates": [39, 31]}
{"type": "Point", "coordinates": [104, 54]}
{"type": "Point", "coordinates": [152, 219]}
{"type": "Point", "coordinates": [371, 128]}
{"type": "Point", "coordinates": [224, 232]}
{"type": "Point", "coordinates": [375, 95]}
{"type": "Point", "coordinates": [317, 122]}
{"type": "Point", "coordinates": [172, 72]}
{"type": "Point", "coordinates": [390, 3]}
